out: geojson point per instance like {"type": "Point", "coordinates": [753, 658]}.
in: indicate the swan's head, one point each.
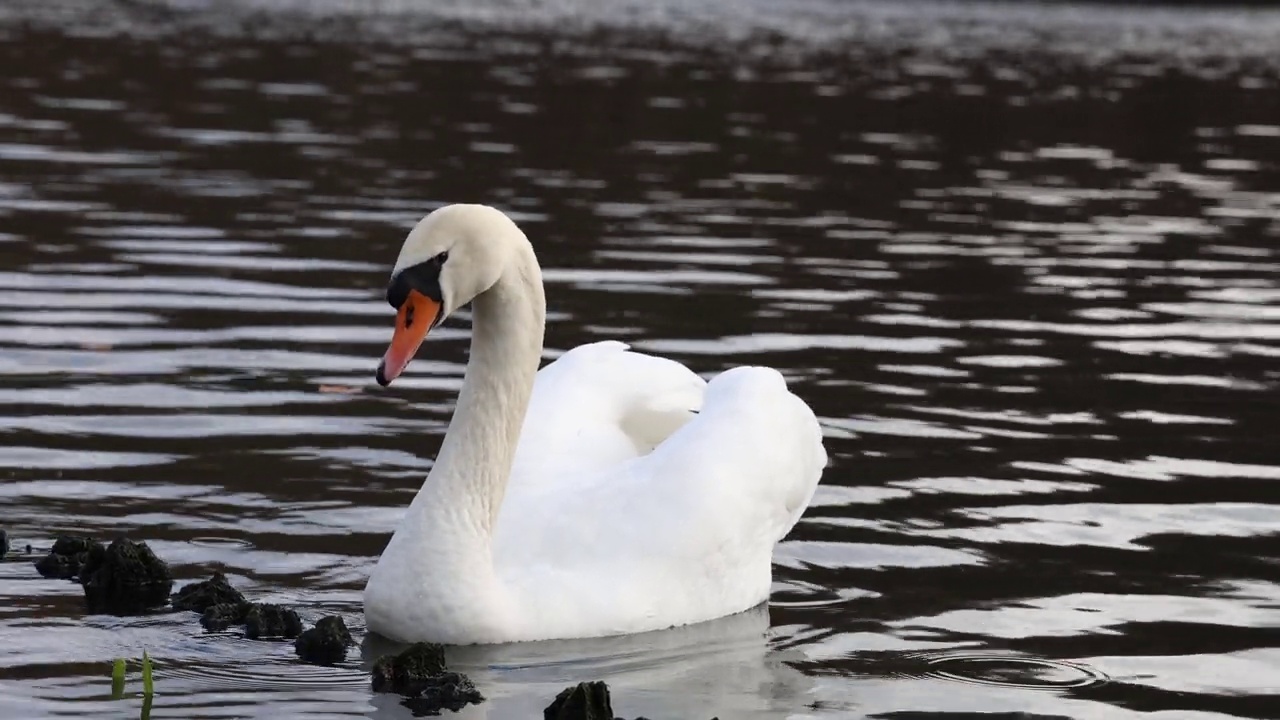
{"type": "Point", "coordinates": [450, 257]}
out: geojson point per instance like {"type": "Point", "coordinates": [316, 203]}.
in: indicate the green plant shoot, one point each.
{"type": "Point", "coordinates": [148, 689]}
{"type": "Point", "coordinates": [117, 679]}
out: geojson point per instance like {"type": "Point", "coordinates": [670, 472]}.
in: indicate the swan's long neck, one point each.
{"type": "Point", "coordinates": [437, 572]}
{"type": "Point", "coordinates": [470, 476]}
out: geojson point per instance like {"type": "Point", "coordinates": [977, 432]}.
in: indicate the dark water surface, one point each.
{"type": "Point", "coordinates": [1026, 270]}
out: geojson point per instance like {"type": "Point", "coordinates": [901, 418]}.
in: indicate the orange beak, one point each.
{"type": "Point", "coordinates": [414, 320]}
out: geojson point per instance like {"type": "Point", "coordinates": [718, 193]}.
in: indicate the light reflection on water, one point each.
{"type": "Point", "coordinates": [1032, 292]}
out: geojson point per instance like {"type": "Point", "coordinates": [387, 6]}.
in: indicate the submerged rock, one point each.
{"type": "Point", "coordinates": [326, 643]}
{"type": "Point", "coordinates": [420, 673]}
{"type": "Point", "coordinates": [398, 673]}
{"type": "Point", "coordinates": [125, 578]}
{"type": "Point", "coordinates": [67, 557]}
{"type": "Point", "coordinates": [584, 701]}
{"type": "Point", "coordinates": [203, 595]}
{"type": "Point", "coordinates": [264, 620]}
{"type": "Point", "coordinates": [217, 618]}
{"type": "Point", "coordinates": [446, 691]}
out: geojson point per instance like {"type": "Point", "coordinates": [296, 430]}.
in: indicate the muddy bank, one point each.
{"type": "Point", "coordinates": [789, 31]}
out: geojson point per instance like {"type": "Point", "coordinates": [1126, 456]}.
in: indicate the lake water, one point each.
{"type": "Point", "coordinates": [1022, 262]}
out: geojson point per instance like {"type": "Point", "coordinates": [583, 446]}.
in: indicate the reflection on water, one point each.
{"type": "Point", "coordinates": [1031, 290]}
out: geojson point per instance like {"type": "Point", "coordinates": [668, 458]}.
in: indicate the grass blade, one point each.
{"type": "Point", "coordinates": [117, 679]}
{"type": "Point", "coordinates": [147, 687]}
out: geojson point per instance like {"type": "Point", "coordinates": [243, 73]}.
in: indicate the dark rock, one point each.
{"type": "Point", "coordinates": [125, 578]}
{"type": "Point", "coordinates": [326, 643]}
{"type": "Point", "coordinates": [419, 672]}
{"type": "Point", "coordinates": [4, 543]}
{"type": "Point", "coordinates": [398, 673]}
{"type": "Point", "coordinates": [260, 620]}
{"type": "Point", "coordinates": [73, 545]}
{"type": "Point", "coordinates": [203, 595]}
{"type": "Point", "coordinates": [220, 617]}
{"type": "Point", "coordinates": [264, 620]}
{"type": "Point", "coordinates": [584, 701]}
{"type": "Point", "coordinates": [61, 567]}
{"type": "Point", "coordinates": [443, 691]}
{"type": "Point", "coordinates": [67, 557]}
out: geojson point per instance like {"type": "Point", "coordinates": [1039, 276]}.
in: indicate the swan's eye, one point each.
{"type": "Point", "coordinates": [439, 259]}
{"type": "Point", "coordinates": [408, 317]}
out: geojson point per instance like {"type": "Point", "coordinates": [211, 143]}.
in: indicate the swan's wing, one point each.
{"type": "Point", "coordinates": [685, 532]}
{"type": "Point", "coordinates": [598, 405]}
{"type": "Point", "coordinates": [754, 451]}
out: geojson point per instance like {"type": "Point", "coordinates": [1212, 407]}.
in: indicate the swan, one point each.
{"type": "Point", "coordinates": [610, 493]}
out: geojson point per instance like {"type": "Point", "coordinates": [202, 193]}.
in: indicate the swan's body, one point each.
{"type": "Point", "coordinates": [612, 492]}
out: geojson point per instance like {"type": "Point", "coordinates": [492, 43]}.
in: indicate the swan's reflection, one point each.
{"type": "Point", "coordinates": [720, 668]}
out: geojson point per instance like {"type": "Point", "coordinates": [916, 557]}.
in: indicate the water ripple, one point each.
{"type": "Point", "coordinates": [1020, 260]}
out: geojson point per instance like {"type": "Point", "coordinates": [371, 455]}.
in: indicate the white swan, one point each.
{"type": "Point", "coordinates": [610, 493]}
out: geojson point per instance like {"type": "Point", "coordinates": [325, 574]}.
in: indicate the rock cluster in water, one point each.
{"type": "Point", "coordinates": [419, 673]}
{"type": "Point", "coordinates": [126, 576]}
{"type": "Point", "coordinates": [260, 620]}
{"type": "Point", "coordinates": [326, 643]}
{"type": "Point", "coordinates": [122, 578]}
{"type": "Point", "coordinates": [221, 606]}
